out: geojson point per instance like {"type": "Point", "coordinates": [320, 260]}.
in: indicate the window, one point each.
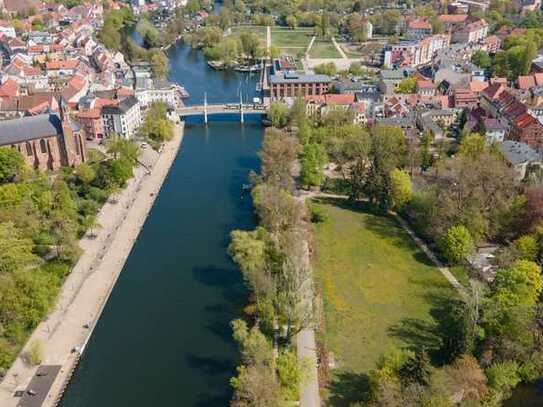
{"type": "Point", "coordinates": [43, 146]}
{"type": "Point", "coordinates": [28, 148]}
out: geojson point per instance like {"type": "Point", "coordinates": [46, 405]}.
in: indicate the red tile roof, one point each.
{"type": "Point", "coordinates": [452, 18]}
{"type": "Point", "coordinates": [9, 88]}
{"type": "Point", "coordinates": [526, 82]}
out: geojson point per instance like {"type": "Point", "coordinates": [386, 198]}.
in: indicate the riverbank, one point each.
{"type": "Point", "coordinates": [87, 288]}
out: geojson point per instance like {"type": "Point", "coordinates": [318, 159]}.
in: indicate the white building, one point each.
{"type": "Point", "coordinates": [123, 119]}
{"type": "Point", "coordinates": [7, 29]}
{"type": "Point", "coordinates": [149, 91]}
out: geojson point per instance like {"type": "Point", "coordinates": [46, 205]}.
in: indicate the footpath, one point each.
{"type": "Point", "coordinates": [86, 290]}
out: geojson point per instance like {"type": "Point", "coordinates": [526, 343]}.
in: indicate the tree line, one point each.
{"type": "Point", "coordinates": [274, 261]}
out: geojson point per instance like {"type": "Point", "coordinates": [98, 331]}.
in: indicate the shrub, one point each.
{"type": "Point", "coordinates": [35, 353]}
{"type": "Point", "coordinates": [318, 215]}
{"type": "Point", "coordinates": [527, 246]}
{"type": "Point", "coordinates": [457, 244]}
{"type": "Point", "coordinates": [503, 376]}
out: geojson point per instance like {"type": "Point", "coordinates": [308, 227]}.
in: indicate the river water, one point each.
{"type": "Point", "coordinates": [164, 337]}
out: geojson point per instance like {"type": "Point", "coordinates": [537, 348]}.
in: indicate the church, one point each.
{"type": "Point", "coordinates": [46, 141]}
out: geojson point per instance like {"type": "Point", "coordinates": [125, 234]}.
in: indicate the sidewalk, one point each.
{"type": "Point", "coordinates": [87, 288]}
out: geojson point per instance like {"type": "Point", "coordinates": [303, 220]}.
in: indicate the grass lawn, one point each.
{"type": "Point", "coordinates": [379, 291]}
{"type": "Point", "coordinates": [259, 30]}
{"type": "Point", "coordinates": [324, 49]}
{"type": "Point", "coordinates": [291, 38]}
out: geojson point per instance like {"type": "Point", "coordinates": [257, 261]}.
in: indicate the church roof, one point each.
{"type": "Point", "coordinates": [29, 128]}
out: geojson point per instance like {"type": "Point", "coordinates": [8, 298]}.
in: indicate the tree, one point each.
{"type": "Point", "coordinates": [472, 146]}
{"type": "Point", "coordinates": [160, 64]}
{"type": "Point", "coordinates": [313, 160]}
{"type": "Point", "coordinates": [11, 164]}
{"type": "Point", "coordinates": [437, 25]}
{"type": "Point", "coordinates": [291, 21]}
{"type": "Point", "coordinates": [457, 244]}
{"type": "Point", "coordinates": [278, 211]}
{"type": "Point", "coordinates": [278, 114]}
{"type": "Point", "coordinates": [328, 68]}
{"type": "Point", "coordinates": [416, 369]}
{"type": "Point", "coordinates": [401, 189]}
{"type": "Point", "coordinates": [256, 386]}
{"type": "Point", "coordinates": [278, 153]}
{"type": "Point", "coordinates": [254, 346]}
{"type": "Point", "coordinates": [250, 44]}
{"type": "Point", "coordinates": [509, 310]}
{"type": "Point", "coordinates": [387, 152]}
{"type": "Point", "coordinates": [247, 249]}
{"type": "Point", "coordinates": [323, 24]}
{"type": "Point", "coordinates": [464, 378]}
{"type": "Point", "coordinates": [157, 126]}
{"type": "Point", "coordinates": [527, 247]}
{"type": "Point", "coordinates": [503, 376]}
{"type": "Point", "coordinates": [407, 85]}
{"type": "Point", "coordinates": [86, 173]}
{"type": "Point", "coordinates": [291, 374]}
{"type": "Point", "coordinates": [15, 249]}
{"type": "Point", "coordinates": [120, 147]}
{"type": "Point", "coordinates": [481, 59]}
{"type": "Point", "coordinates": [35, 353]}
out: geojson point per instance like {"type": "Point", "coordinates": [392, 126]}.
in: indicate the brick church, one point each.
{"type": "Point", "coordinates": [46, 141]}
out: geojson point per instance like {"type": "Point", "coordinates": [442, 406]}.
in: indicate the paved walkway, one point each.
{"type": "Point", "coordinates": [88, 286]}
{"type": "Point", "coordinates": [424, 247]}
{"type": "Point", "coordinates": [309, 46]}
{"type": "Point", "coordinates": [268, 39]}
{"type": "Point", "coordinates": [339, 49]}
{"type": "Point", "coordinates": [307, 349]}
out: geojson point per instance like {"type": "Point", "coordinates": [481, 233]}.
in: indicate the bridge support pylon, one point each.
{"type": "Point", "coordinates": [205, 107]}
{"type": "Point", "coordinates": [241, 107]}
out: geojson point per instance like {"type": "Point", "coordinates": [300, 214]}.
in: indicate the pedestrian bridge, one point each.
{"type": "Point", "coordinates": [207, 109]}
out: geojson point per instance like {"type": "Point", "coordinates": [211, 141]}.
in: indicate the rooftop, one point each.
{"type": "Point", "coordinates": [29, 128]}
{"type": "Point", "coordinates": [517, 153]}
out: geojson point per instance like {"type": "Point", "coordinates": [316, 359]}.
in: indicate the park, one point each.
{"type": "Point", "coordinates": [380, 292]}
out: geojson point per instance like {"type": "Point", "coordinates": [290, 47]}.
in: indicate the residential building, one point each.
{"type": "Point", "coordinates": [520, 156]}
{"type": "Point", "coordinates": [418, 28]}
{"type": "Point", "coordinates": [149, 91]}
{"type": "Point", "coordinates": [475, 30]}
{"type": "Point", "coordinates": [123, 118]}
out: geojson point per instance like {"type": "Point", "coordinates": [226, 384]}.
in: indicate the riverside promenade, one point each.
{"type": "Point", "coordinates": [87, 288]}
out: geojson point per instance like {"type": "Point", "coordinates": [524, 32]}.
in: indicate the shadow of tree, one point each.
{"type": "Point", "coordinates": [348, 388]}
{"type": "Point", "coordinates": [381, 224]}
{"type": "Point", "coordinates": [433, 335]}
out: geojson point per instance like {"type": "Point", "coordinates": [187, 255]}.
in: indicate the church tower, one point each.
{"type": "Point", "coordinates": [73, 144]}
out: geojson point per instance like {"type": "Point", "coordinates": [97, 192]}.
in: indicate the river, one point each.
{"type": "Point", "coordinates": [164, 337]}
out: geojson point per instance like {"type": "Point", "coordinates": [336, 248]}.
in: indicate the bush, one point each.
{"type": "Point", "coordinates": [34, 355]}
{"type": "Point", "coordinates": [457, 244]}
{"type": "Point", "coordinates": [291, 374]}
{"type": "Point", "coordinates": [527, 246]}
{"type": "Point", "coordinates": [503, 376]}
{"type": "Point", "coordinates": [98, 195]}
{"type": "Point", "coordinates": [318, 215]}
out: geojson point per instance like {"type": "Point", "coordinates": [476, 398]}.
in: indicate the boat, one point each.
{"type": "Point", "coordinates": [248, 68]}
{"type": "Point", "coordinates": [219, 66]}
